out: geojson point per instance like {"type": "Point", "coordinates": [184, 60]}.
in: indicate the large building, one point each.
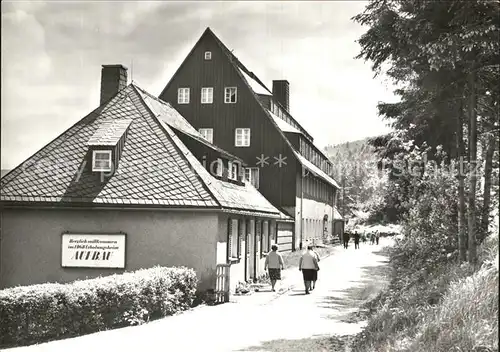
{"type": "Point", "coordinates": [131, 185]}
{"type": "Point", "coordinates": [231, 107]}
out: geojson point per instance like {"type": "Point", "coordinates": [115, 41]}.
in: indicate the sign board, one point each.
{"type": "Point", "coordinates": [93, 250]}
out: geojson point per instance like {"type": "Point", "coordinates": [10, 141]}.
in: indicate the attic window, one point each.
{"type": "Point", "coordinates": [233, 171]}
{"type": "Point", "coordinates": [208, 55]}
{"type": "Point", "coordinates": [217, 168]}
{"type": "Point", "coordinates": [252, 176]}
{"type": "Point", "coordinates": [101, 160]}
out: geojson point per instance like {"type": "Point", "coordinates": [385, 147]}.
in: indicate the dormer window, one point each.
{"type": "Point", "coordinates": [101, 160]}
{"type": "Point", "coordinates": [233, 170]}
{"type": "Point", "coordinates": [217, 168]}
{"type": "Point", "coordinates": [208, 55]}
{"type": "Point", "coordinates": [252, 176]}
{"type": "Point", "coordinates": [107, 144]}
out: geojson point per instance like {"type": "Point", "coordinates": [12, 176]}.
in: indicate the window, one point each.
{"type": "Point", "coordinates": [242, 137]}
{"type": "Point", "coordinates": [233, 241]}
{"type": "Point", "coordinates": [233, 170]}
{"type": "Point", "coordinates": [252, 176]}
{"type": "Point", "coordinates": [101, 160]}
{"type": "Point", "coordinates": [207, 95]}
{"type": "Point", "coordinates": [216, 168]}
{"type": "Point", "coordinates": [183, 96]}
{"type": "Point", "coordinates": [207, 133]}
{"type": "Point", "coordinates": [230, 95]}
{"type": "Point", "coordinates": [208, 55]}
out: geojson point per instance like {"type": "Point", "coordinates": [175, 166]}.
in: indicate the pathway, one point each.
{"type": "Point", "coordinates": [246, 324]}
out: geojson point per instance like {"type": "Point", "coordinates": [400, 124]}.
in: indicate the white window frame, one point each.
{"type": "Point", "coordinates": [101, 168]}
{"type": "Point", "coordinates": [207, 133]}
{"type": "Point", "coordinates": [227, 95]}
{"type": "Point", "coordinates": [255, 181]}
{"type": "Point", "coordinates": [207, 95]}
{"type": "Point", "coordinates": [208, 55]}
{"type": "Point", "coordinates": [183, 95]}
{"type": "Point", "coordinates": [232, 170]}
{"type": "Point", "coordinates": [244, 141]}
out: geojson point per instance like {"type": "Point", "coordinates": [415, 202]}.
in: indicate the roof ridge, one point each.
{"type": "Point", "coordinates": [183, 155]}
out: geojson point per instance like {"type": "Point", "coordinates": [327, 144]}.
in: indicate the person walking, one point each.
{"type": "Point", "coordinates": [274, 262]}
{"type": "Point", "coordinates": [308, 264]}
{"type": "Point", "coordinates": [315, 276]}
{"type": "Point", "coordinates": [346, 239]}
{"type": "Point", "coordinates": [356, 240]}
{"type": "Point", "coordinates": [377, 237]}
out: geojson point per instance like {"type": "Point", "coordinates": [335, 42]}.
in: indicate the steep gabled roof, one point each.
{"type": "Point", "coordinates": [155, 168]}
{"type": "Point", "coordinates": [255, 86]}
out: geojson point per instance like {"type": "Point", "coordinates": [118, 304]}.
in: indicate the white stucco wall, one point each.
{"type": "Point", "coordinates": [31, 242]}
{"type": "Point", "coordinates": [314, 213]}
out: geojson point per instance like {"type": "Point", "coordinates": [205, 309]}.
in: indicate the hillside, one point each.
{"type": "Point", "coordinates": [354, 146]}
{"type": "Point", "coordinates": [355, 165]}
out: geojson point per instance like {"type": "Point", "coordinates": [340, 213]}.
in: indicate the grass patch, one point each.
{"type": "Point", "coordinates": [439, 307]}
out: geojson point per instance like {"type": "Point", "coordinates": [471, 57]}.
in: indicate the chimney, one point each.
{"type": "Point", "coordinates": [281, 92]}
{"type": "Point", "coordinates": [113, 79]}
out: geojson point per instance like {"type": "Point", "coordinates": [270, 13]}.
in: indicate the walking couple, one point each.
{"type": "Point", "coordinates": [308, 264]}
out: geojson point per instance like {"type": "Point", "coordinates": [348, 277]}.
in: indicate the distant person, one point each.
{"type": "Point", "coordinates": [274, 262]}
{"type": "Point", "coordinates": [356, 240]}
{"type": "Point", "coordinates": [308, 264]}
{"type": "Point", "coordinates": [372, 238]}
{"type": "Point", "coordinates": [377, 237]}
{"type": "Point", "coordinates": [315, 278]}
{"type": "Point", "coordinates": [346, 239]}
{"type": "Point", "coordinates": [363, 237]}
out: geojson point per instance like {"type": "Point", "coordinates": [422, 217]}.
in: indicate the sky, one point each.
{"type": "Point", "coordinates": [52, 54]}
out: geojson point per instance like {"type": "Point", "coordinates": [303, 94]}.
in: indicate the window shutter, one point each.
{"type": "Point", "coordinates": [269, 235]}
{"type": "Point", "coordinates": [240, 235]}
{"type": "Point", "coordinates": [263, 243]}
{"type": "Point", "coordinates": [229, 239]}
{"type": "Point", "coordinates": [258, 228]}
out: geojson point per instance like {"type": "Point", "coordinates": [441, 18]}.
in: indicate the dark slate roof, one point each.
{"type": "Point", "coordinates": [155, 168]}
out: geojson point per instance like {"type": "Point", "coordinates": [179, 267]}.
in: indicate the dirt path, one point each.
{"type": "Point", "coordinates": [292, 321]}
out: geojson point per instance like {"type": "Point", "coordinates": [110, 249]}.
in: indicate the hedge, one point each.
{"type": "Point", "coordinates": [40, 313]}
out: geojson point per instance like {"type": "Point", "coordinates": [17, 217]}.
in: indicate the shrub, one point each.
{"type": "Point", "coordinates": [39, 313]}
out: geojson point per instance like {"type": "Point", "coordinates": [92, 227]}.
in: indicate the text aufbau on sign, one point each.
{"type": "Point", "coordinates": [93, 250]}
